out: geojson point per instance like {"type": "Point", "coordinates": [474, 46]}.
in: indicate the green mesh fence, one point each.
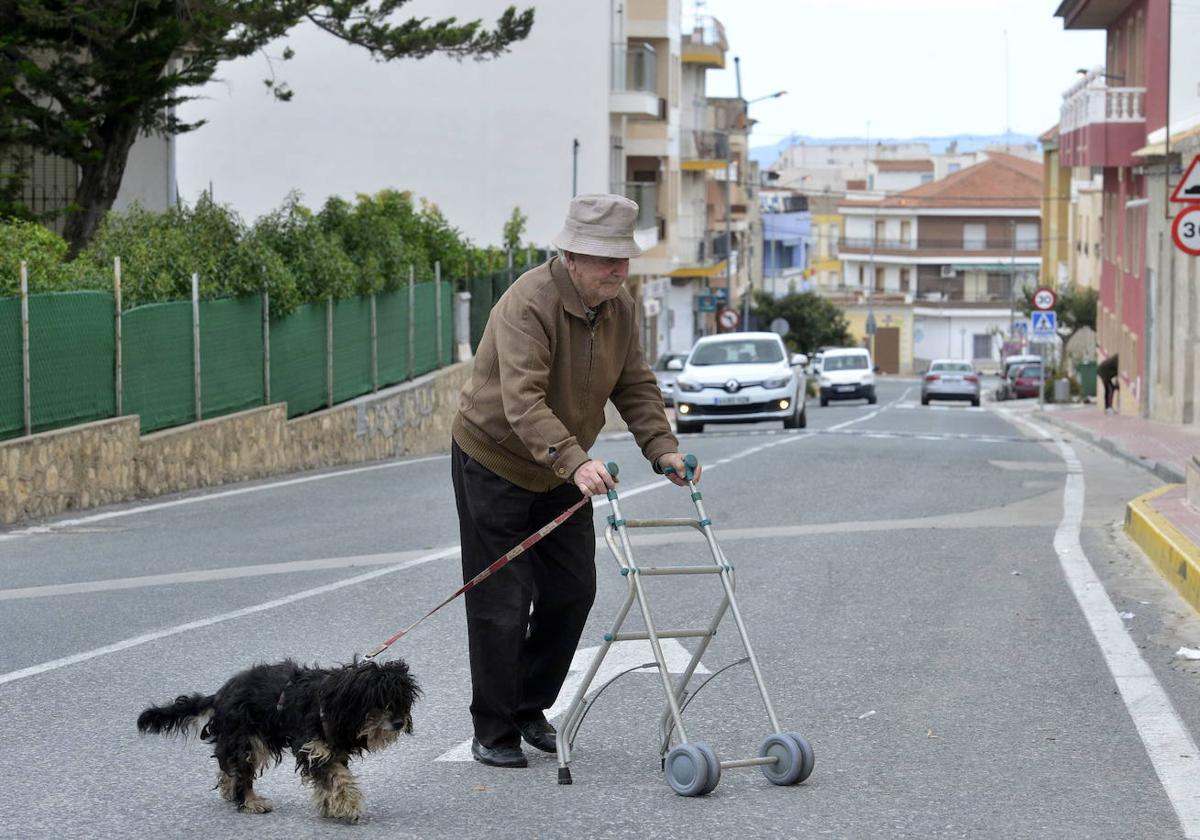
{"type": "Point", "coordinates": [231, 356]}
{"type": "Point", "coordinates": [425, 357]}
{"type": "Point", "coordinates": [71, 352]}
{"type": "Point", "coordinates": [298, 359]}
{"type": "Point", "coordinates": [12, 407]}
{"type": "Point", "coordinates": [156, 342]}
{"type": "Point", "coordinates": [351, 348]}
{"type": "Point", "coordinates": [391, 318]}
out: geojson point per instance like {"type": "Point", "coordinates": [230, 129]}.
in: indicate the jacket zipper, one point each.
{"type": "Point", "coordinates": [587, 380]}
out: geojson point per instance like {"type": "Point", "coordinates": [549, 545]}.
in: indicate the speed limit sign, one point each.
{"type": "Point", "coordinates": [1186, 231]}
{"type": "Point", "coordinates": [728, 318]}
{"type": "Point", "coordinates": [1044, 299]}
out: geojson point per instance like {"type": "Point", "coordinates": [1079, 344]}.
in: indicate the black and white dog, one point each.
{"type": "Point", "coordinates": [325, 716]}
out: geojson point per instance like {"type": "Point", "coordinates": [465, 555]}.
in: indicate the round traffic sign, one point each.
{"type": "Point", "coordinates": [1044, 299]}
{"type": "Point", "coordinates": [1186, 230]}
{"type": "Point", "coordinates": [780, 326]}
{"type": "Point", "coordinates": [728, 318]}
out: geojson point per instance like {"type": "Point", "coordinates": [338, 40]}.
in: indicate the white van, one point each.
{"type": "Point", "coordinates": [846, 374]}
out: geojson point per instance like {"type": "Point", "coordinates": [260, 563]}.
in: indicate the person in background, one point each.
{"type": "Point", "coordinates": [560, 343]}
{"type": "Point", "coordinates": [1107, 370]}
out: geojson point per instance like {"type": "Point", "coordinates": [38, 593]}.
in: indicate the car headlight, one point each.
{"type": "Point", "coordinates": [777, 382]}
{"type": "Point", "coordinates": [823, 380]}
{"type": "Point", "coordinates": [688, 386]}
{"type": "Point", "coordinates": [869, 379]}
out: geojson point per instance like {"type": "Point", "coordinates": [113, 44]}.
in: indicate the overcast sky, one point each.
{"type": "Point", "coordinates": [917, 67]}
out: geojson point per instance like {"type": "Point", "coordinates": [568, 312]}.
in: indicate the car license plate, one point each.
{"type": "Point", "coordinates": [953, 380]}
{"type": "Point", "coordinates": [732, 400]}
{"type": "Point", "coordinates": [844, 388]}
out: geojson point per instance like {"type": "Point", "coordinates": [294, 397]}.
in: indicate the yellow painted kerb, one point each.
{"type": "Point", "coordinates": [1172, 553]}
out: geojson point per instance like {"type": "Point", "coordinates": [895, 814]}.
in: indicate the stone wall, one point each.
{"type": "Point", "coordinates": [106, 462]}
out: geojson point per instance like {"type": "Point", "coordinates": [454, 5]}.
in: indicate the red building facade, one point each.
{"type": "Point", "coordinates": [1105, 118]}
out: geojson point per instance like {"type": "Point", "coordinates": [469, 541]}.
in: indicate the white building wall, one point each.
{"type": "Point", "coordinates": [149, 176]}
{"type": "Point", "coordinates": [949, 333]}
{"type": "Point", "coordinates": [476, 138]}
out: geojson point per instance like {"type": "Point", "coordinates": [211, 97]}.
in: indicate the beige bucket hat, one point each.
{"type": "Point", "coordinates": [600, 225]}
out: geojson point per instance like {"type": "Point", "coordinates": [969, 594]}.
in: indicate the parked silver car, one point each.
{"type": "Point", "coordinates": [950, 379]}
{"type": "Point", "coordinates": [666, 369]}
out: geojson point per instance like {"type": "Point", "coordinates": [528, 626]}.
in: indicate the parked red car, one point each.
{"type": "Point", "coordinates": [1025, 381]}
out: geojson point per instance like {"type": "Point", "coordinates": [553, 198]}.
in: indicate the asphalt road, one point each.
{"type": "Point", "coordinates": [956, 670]}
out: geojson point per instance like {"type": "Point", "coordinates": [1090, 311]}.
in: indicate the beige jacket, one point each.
{"type": "Point", "coordinates": [535, 401]}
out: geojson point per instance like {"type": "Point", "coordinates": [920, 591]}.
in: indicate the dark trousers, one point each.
{"type": "Point", "coordinates": [1110, 385]}
{"type": "Point", "coordinates": [520, 659]}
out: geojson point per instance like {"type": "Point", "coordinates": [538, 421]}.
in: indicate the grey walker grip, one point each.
{"type": "Point", "coordinates": [613, 470]}
{"type": "Point", "coordinates": [689, 464]}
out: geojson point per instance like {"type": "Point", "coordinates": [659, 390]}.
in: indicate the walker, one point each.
{"type": "Point", "coordinates": [691, 768]}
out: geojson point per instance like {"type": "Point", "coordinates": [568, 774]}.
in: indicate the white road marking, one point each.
{"type": "Point", "coordinates": [206, 497]}
{"type": "Point", "coordinates": [125, 644]}
{"type": "Point", "coordinates": [1170, 746]}
{"type": "Point", "coordinates": [621, 657]}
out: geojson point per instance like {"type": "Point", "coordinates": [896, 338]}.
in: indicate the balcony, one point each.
{"type": "Point", "coordinates": [701, 256]}
{"type": "Point", "coordinates": [648, 229]}
{"type": "Point", "coordinates": [1101, 125]}
{"type": "Point", "coordinates": [700, 150]}
{"type": "Point", "coordinates": [934, 250]}
{"type": "Point", "coordinates": [704, 42]}
{"type": "Point", "coordinates": [634, 80]}
{"type": "Point", "coordinates": [648, 18]}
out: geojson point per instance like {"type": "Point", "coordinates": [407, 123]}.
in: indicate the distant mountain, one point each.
{"type": "Point", "coordinates": [766, 155]}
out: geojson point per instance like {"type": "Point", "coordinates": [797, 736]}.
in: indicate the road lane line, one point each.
{"type": "Point", "coordinates": [1169, 744]}
{"type": "Point", "coordinates": [207, 497]}
{"type": "Point", "coordinates": [145, 638]}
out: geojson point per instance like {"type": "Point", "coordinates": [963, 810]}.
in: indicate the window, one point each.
{"type": "Point", "coordinates": [981, 346]}
{"type": "Point", "coordinates": [951, 168]}
{"type": "Point", "coordinates": [905, 282]}
{"type": "Point", "coordinates": [860, 276]}
{"type": "Point", "coordinates": [925, 179]}
{"type": "Point", "coordinates": [1027, 236]}
{"type": "Point", "coordinates": [880, 274]}
{"type": "Point", "coordinates": [999, 286]}
{"type": "Point", "coordinates": [737, 352]}
{"type": "Point", "coordinates": [974, 237]}
{"type": "Point", "coordinates": [905, 232]}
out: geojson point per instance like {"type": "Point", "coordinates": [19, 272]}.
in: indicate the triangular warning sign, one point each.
{"type": "Point", "coordinates": [1188, 190]}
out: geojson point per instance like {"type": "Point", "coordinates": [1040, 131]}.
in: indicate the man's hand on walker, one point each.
{"type": "Point", "coordinates": [592, 478]}
{"type": "Point", "coordinates": [679, 469]}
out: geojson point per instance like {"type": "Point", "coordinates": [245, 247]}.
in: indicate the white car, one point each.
{"type": "Point", "coordinates": [740, 378]}
{"type": "Point", "coordinates": [846, 374]}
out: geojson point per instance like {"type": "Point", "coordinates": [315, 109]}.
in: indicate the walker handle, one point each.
{"type": "Point", "coordinates": [612, 468]}
{"type": "Point", "coordinates": [689, 463]}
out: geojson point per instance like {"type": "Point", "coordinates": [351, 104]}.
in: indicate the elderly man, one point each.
{"type": "Point", "coordinates": [558, 345]}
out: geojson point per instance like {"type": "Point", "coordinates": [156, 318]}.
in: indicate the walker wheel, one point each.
{"type": "Point", "coordinates": [714, 769]}
{"type": "Point", "coordinates": [794, 758]}
{"type": "Point", "coordinates": [687, 770]}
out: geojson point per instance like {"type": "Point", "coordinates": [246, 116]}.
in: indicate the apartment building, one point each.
{"type": "Point", "coordinates": [787, 231]}
{"type": "Point", "coordinates": [957, 251]}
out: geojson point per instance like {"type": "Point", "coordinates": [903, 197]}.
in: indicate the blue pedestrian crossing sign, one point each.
{"type": "Point", "coordinates": [1045, 326]}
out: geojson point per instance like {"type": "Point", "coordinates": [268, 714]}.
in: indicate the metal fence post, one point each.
{"type": "Point", "coordinates": [437, 308]}
{"type": "Point", "coordinates": [196, 343]}
{"type": "Point", "coordinates": [118, 362]}
{"type": "Point", "coordinates": [510, 267]}
{"type": "Point", "coordinates": [329, 350]}
{"type": "Point", "coordinates": [25, 390]}
{"type": "Point", "coordinates": [462, 326]}
{"type": "Point", "coordinates": [266, 333]}
{"type": "Point", "coordinates": [374, 348]}
{"type": "Point", "coordinates": [412, 320]}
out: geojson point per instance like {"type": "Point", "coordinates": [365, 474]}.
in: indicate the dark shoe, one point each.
{"type": "Point", "coordinates": [540, 734]}
{"type": "Point", "coordinates": [498, 756]}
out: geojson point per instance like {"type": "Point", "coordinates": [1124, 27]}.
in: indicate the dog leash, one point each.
{"type": "Point", "coordinates": [496, 566]}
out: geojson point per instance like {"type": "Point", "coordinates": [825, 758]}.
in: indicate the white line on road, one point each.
{"type": "Point", "coordinates": [125, 644]}
{"type": "Point", "coordinates": [1170, 746]}
{"type": "Point", "coordinates": [207, 497]}
{"type": "Point", "coordinates": [622, 656]}
{"type": "Point", "coordinates": [145, 638]}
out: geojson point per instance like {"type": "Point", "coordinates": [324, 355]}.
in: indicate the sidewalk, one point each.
{"type": "Point", "coordinates": [1164, 523]}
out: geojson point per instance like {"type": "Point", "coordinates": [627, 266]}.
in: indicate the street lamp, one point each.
{"type": "Point", "coordinates": [746, 103]}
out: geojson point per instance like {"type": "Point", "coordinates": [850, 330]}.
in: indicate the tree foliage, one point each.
{"type": "Point", "coordinates": [813, 321]}
{"type": "Point", "coordinates": [1075, 309]}
{"type": "Point", "coordinates": [81, 80]}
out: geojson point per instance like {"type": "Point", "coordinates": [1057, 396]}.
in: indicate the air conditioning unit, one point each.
{"type": "Point", "coordinates": [948, 271]}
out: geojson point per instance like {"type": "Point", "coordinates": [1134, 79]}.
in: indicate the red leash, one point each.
{"type": "Point", "coordinates": [513, 554]}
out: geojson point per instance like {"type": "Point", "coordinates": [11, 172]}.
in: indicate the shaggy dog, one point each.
{"type": "Point", "coordinates": [325, 716]}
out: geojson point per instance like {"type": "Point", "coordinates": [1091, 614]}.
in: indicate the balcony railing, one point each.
{"type": "Point", "coordinates": [635, 68]}
{"type": "Point", "coordinates": [1090, 101]}
{"type": "Point", "coordinates": [698, 144]}
{"type": "Point", "coordinates": [645, 193]}
{"type": "Point", "coordinates": [705, 31]}
{"type": "Point", "coordinates": [881, 244]}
